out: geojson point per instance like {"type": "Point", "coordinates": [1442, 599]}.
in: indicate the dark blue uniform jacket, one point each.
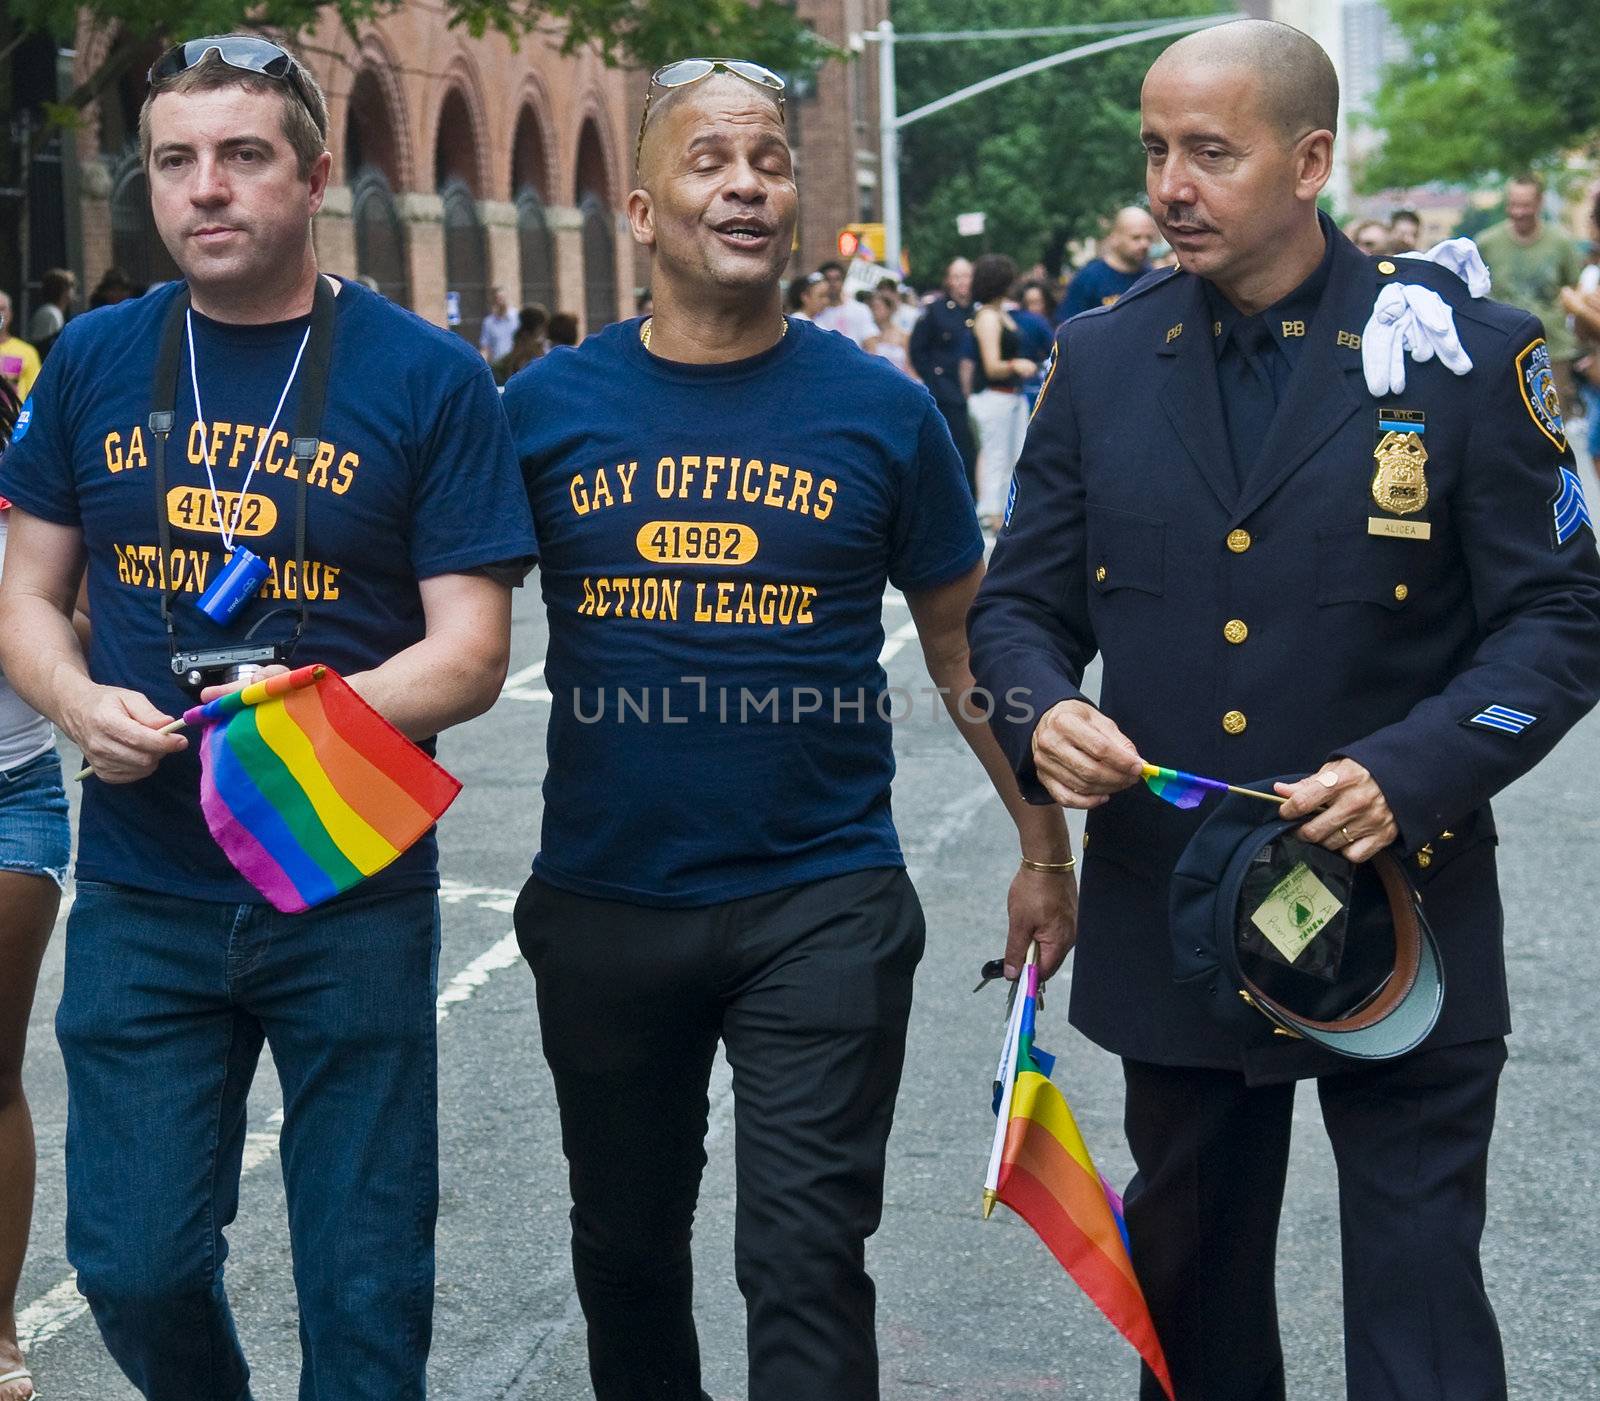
{"type": "Point", "coordinates": [940, 341]}
{"type": "Point", "coordinates": [1257, 629]}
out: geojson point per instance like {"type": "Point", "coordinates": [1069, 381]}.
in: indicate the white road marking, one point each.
{"type": "Point", "coordinates": [952, 820]}
{"type": "Point", "coordinates": [61, 1306]}
{"type": "Point", "coordinates": [896, 641]}
{"type": "Point", "coordinates": [521, 678]}
{"type": "Point", "coordinates": [517, 685]}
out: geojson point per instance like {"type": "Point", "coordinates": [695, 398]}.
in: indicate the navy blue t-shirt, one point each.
{"type": "Point", "coordinates": [416, 477]}
{"type": "Point", "coordinates": [715, 541]}
{"type": "Point", "coordinates": [1096, 283]}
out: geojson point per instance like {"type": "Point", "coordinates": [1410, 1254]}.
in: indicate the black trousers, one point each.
{"type": "Point", "coordinates": [1410, 1141]}
{"type": "Point", "coordinates": [809, 989]}
{"type": "Point", "coordinates": [960, 425]}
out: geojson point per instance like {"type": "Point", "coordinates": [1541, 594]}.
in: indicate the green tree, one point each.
{"type": "Point", "coordinates": [1488, 87]}
{"type": "Point", "coordinates": [633, 33]}
{"type": "Point", "coordinates": [1047, 157]}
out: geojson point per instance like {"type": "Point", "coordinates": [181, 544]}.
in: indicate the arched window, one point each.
{"type": "Point", "coordinates": [380, 235]}
{"type": "Point", "coordinates": [599, 233]}
{"type": "Point", "coordinates": [599, 264]}
{"type": "Point", "coordinates": [536, 250]}
{"type": "Point", "coordinates": [136, 247]}
{"type": "Point", "coordinates": [372, 166]}
{"type": "Point", "coordinates": [535, 247]}
{"type": "Point", "coordinates": [466, 246]}
{"type": "Point", "coordinates": [466, 257]}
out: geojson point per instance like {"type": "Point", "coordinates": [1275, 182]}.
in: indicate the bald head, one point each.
{"type": "Point", "coordinates": [1298, 88]}
{"type": "Point", "coordinates": [717, 91]}
{"type": "Point", "coordinates": [1126, 245]}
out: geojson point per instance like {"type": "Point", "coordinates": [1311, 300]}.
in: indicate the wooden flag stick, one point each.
{"type": "Point", "coordinates": [173, 728]}
{"type": "Point", "coordinates": [1257, 793]}
{"type": "Point", "coordinates": [1008, 1081]}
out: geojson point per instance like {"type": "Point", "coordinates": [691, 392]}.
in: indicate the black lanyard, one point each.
{"type": "Point", "coordinates": [307, 426]}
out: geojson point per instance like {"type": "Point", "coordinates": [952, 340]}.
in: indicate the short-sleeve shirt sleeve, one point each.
{"type": "Point", "coordinates": [470, 508]}
{"type": "Point", "coordinates": [935, 537]}
{"type": "Point", "coordinates": [36, 472]}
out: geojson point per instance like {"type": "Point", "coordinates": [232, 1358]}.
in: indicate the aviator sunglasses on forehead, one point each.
{"type": "Point", "coordinates": [247, 52]}
{"type": "Point", "coordinates": [692, 70]}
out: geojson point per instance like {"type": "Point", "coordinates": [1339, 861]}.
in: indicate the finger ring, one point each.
{"type": "Point", "coordinates": [1348, 839]}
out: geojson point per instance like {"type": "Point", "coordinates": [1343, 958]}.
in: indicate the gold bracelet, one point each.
{"type": "Point", "coordinates": [1050, 868]}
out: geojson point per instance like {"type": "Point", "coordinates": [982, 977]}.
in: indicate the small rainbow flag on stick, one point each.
{"type": "Point", "coordinates": [1189, 790]}
{"type": "Point", "coordinates": [1040, 1167]}
{"type": "Point", "coordinates": [307, 789]}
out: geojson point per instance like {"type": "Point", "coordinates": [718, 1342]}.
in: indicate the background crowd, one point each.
{"type": "Point", "coordinates": [992, 375]}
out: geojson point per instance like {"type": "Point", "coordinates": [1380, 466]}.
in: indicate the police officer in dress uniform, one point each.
{"type": "Point", "coordinates": [943, 352]}
{"type": "Point", "coordinates": [1284, 572]}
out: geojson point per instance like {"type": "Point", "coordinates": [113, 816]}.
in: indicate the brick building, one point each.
{"type": "Point", "coordinates": [833, 128]}
{"type": "Point", "coordinates": [459, 164]}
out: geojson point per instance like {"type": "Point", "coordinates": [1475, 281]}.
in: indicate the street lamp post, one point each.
{"type": "Point", "coordinates": [891, 122]}
{"type": "Point", "coordinates": [888, 148]}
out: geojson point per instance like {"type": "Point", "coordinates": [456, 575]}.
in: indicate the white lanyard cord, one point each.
{"type": "Point", "coordinates": [228, 528]}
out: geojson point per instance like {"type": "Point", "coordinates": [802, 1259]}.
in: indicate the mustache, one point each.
{"type": "Point", "coordinates": [1182, 219]}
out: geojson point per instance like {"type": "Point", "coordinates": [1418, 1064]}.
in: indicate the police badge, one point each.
{"type": "Point", "coordinates": [1400, 484]}
{"type": "Point", "coordinates": [1400, 480]}
{"type": "Point", "coordinates": [1539, 392]}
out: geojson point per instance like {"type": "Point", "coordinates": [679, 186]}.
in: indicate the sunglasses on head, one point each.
{"type": "Point", "coordinates": [247, 52]}
{"type": "Point", "coordinates": [691, 70]}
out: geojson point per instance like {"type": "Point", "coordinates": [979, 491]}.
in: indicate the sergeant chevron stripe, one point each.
{"type": "Point", "coordinates": [1502, 717]}
{"type": "Point", "coordinates": [1571, 509]}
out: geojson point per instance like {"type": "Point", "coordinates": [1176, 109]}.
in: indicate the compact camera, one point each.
{"type": "Point", "coordinates": [221, 666]}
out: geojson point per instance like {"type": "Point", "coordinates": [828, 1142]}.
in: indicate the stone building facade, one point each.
{"type": "Point", "coordinates": [459, 164]}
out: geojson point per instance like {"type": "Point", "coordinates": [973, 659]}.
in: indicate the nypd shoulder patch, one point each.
{"type": "Point", "coordinates": [1011, 505]}
{"type": "Point", "coordinates": [19, 430]}
{"type": "Point", "coordinates": [1502, 718]}
{"type": "Point", "coordinates": [1044, 387]}
{"type": "Point", "coordinates": [1570, 507]}
{"type": "Point", "coordinates": [1538, 386]}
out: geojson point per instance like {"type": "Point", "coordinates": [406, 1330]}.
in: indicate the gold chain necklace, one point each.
{"type": "Point", "coordinates": [644, 331]}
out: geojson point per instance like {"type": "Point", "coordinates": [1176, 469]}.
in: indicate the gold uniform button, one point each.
{"type": "Point", "coordinates": [1401, 593]}
{"type": "Point", "coordinates": [1239, 541]}
{"type": "Point", "coordinates": [1234, 722]}
{"type": "Point", "coordinates": [1100, 575]}
{"type": "Point", "coordinates": [1386, 267]}
{"type": "Point", "coordinates": [1235, 631]}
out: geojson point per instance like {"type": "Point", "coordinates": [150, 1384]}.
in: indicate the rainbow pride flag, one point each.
{"type": "Point", "coordinates": [1182, 790]}
{"type": "Point", "coordinates": [307, 789]}
{"type": "Point", "coordinates": [1041, 1169]}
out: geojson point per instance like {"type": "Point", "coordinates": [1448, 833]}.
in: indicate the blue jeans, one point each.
{"type": "Point", "coordinates": [34, 836]}
{"type": "Point", "coordinates": [165, 1007]}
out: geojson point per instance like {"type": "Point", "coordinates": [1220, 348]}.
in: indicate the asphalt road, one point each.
{"type": "Point", "coordinates": [967, 1309]}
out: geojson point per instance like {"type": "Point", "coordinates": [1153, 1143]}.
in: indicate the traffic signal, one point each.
{"type": "Point", "coordinates": [862, 241]}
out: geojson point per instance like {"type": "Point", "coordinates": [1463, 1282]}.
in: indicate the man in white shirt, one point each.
{"type": "Point", "coordinates": [499, 327]}
{"type": "Point", "coordinates": [844, 313]}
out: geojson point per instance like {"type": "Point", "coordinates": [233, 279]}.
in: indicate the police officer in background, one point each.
{"type": "Point", "coordinates": [1285, 571]}
{"type": "Point", "coordinates": [943, 353]}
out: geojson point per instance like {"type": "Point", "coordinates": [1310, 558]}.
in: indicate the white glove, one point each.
{"type": "Point", "coordinates": [1461, 256]}
{"type": "Point", "coordinates": [1408, 317]}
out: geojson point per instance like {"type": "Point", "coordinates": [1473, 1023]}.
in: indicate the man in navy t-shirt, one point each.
{"type": "Point", "coordinates": [176, 968]}
{"type": "Point", "coordinates": [1124, 252]}
{"type": "Point", "coordinates": [721, 497]}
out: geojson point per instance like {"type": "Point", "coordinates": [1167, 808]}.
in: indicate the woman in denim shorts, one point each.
{"type": "Point", "coordinates": [35, 845]}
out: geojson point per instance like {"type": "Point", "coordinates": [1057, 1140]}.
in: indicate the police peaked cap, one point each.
{"type": "Point", "coordinates": [1368, 984]}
